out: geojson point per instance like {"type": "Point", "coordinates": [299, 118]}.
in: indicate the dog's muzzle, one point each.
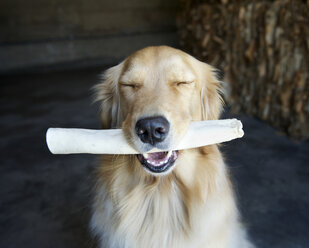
{"type": "Point", "coordinates": [153, 131]}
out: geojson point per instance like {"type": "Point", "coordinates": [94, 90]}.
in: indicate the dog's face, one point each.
{"type": "Point", "coordinates": [154, 95]}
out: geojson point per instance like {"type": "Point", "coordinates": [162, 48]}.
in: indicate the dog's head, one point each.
{"type": "Point", "coordinates": [153, 95]}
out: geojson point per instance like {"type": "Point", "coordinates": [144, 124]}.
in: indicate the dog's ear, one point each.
{"type": "Point", "coordinates": [211, 99]}
{"type": "Point", "coordinates": [107, 94]}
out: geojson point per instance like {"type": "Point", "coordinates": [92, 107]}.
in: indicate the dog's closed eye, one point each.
{"type": "Point", "coordinates": [130, 85]}
{"type": "Point", "coordinates": [181, 83]}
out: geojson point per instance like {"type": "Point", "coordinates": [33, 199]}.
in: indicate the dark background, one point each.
{"type": "Point", "coordinates": [80, 33]}
{"type": "Point", "coordinates": [51, 54]}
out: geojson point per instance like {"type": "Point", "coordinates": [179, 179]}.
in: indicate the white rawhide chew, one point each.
{"type": "Point", "coordinates": [112, 141]}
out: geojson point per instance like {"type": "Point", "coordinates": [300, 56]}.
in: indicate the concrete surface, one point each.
{"type": "Point", "coordinates": [45, 199]}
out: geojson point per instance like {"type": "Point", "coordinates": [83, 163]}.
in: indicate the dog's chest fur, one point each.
{"type": "Point", "coordinates": [132, 211]}
{"type": "Point", "coordinates": [143, 216]}
{"type": "Point", "coordinates": [191, 207]}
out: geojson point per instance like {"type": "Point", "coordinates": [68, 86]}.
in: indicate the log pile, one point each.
{"type": "Point", "coordinates": [263, 48]}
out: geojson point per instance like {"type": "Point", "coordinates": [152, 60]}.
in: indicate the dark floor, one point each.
{"type": "Point", "coordinates": [45, 198]}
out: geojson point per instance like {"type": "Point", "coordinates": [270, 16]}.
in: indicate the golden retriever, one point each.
{"type": "Point", "coordinates": [166, 199]}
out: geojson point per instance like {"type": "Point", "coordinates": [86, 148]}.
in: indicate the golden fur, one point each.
{"type": "Point", "coordinates": [192, 205]}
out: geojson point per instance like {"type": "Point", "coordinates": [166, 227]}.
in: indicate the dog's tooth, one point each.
{"type": "Point", "coordinates": [169, 153]}
{"type": "Point", "coordinates": [145, 155]}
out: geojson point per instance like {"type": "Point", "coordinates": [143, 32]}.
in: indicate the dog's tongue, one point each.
{"type": "Point", "coordinates": [157, 158]}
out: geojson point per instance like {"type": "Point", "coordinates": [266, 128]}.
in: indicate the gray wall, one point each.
{"type": "Point", "coordinates": [44, 33]}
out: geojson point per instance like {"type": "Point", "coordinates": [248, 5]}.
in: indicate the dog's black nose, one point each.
{"type": "Point", "coordinates": [152, 130]}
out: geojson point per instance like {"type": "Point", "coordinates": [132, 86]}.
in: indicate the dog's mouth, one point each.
{"type": "Point", "coordinates": [158, 162]}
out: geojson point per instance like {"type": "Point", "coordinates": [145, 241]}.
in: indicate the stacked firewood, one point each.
{"type": "Point", "coordinates": [263, 48]}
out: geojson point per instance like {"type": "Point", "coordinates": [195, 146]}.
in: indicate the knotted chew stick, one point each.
{"type": "Point", "coordinates": [112, 141]}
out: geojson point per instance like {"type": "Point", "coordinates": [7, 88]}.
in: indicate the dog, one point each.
{"type": "Point", "coordinates": [169, 199]}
